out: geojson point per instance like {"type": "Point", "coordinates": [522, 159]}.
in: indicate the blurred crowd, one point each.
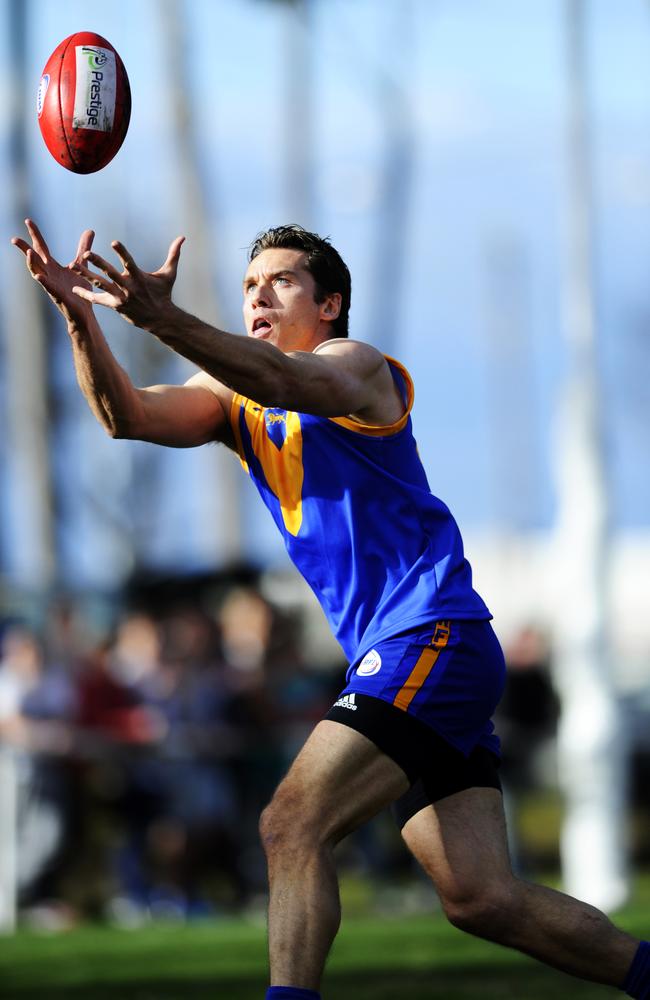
{"type": "Point", "coordinates": [144, 755]}
{"type": "Point", "coordinates": [143, 752]}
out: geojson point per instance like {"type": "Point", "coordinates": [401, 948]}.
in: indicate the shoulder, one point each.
{"type": "Point", "coordinates": [202, 380]}
{"type": "Point", "coordinates": [356, 360]}
{"type": "Point", "coordinates": [384, 406]}
{"type": "Point", "coordinates": [355, 352]}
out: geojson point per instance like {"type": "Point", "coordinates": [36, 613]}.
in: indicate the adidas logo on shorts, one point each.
{"type": "Point", "coordinates": [346, 701]}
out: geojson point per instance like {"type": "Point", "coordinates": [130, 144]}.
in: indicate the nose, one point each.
{"type": "Point", "coordinates": [260, 295]}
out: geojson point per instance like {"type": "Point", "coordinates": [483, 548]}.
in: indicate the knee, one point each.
{"type": "Point", "coordinates": [285, 827]}
{"type": "Point", "coordinates": [487, 911]}
{"type": "Point", "coordinates": [273, 827]}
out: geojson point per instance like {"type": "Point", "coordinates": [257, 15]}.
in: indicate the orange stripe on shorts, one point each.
{"type": "Point", "coordinates": [424, 664]}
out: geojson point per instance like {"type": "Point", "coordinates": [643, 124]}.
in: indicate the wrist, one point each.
{"type": "Point", "coordinates": [166, 323]}
{"type": "Point", "coordinates": [80, 326]}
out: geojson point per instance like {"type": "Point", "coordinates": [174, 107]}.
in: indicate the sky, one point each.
{"type": "Point", "coordinates": [433, 135]}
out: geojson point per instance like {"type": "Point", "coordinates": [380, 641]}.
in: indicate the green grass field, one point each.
{"type": "Point", "coordinates": [375, 958]}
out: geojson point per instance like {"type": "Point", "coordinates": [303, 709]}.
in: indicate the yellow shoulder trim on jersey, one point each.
{"type": "Point", "coordinates": [383, 430]}
{"type": "Point", "coordinates": [235, 409]}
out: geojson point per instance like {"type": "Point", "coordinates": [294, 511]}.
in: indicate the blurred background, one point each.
{"type": "Point", "coordinates": [484, 169]}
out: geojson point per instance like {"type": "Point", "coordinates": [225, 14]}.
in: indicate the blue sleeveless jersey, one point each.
{"type": "Point", "coordinates": [353, 504]}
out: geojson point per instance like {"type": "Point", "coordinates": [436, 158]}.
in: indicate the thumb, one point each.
{"type": "Point", "coordinates": [85, 243]}
{"type": "Point", "coordinates": [170, 267]}
{"type": "Point", "coordinates": [34, 265]}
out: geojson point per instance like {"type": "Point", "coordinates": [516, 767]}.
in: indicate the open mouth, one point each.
{"type": "Point", "coordinates": [261, 326]}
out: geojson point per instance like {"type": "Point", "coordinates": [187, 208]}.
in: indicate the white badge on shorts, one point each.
{"type": "Point", "coordinates": [370, 664]}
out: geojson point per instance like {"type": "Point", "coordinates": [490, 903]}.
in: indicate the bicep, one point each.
{"type": "Point", "coordinates": [184, 416]}
{"type": "Point", "coordinates": [338, 378]}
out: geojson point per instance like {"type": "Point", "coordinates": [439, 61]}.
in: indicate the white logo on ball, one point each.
{"type": "Point", "coordinates": [95, 88]}
{"type": "Point", "coordinates": [370, 664]}
{"type": "Point", "coordinates": [42, 91]}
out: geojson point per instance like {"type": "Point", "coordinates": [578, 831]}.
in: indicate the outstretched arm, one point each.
{"type": "Point", "coordinates": [338, 378]}
{"type": "Point", "coordinates": [144, 299]}
{"type": "Point", "coordinates": [179, 416]}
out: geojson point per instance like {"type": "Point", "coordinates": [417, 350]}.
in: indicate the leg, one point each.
{"type": "Point", "coordinates": [338, 781]}
{"type": "Point", "coordinates": [461, 843]}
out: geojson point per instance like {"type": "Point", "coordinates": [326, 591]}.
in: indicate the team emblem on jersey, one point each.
{"type": "Point", "coordinates": [370, 664]}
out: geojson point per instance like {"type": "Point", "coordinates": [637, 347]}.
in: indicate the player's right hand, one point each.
{"type": "Point", "coordinates": [57, 280]}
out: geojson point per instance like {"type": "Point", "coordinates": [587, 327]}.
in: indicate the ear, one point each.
{"type": "Point", "coordinates": [331, 306]}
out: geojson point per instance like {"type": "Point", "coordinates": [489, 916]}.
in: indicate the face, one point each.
{"type": "Point", "coordinates": [279, 302]}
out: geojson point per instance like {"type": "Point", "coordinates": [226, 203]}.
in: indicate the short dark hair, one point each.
{"type": "Point", "coordinates": [324, 263]}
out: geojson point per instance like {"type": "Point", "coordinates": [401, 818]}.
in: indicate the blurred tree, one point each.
{"type": "Point", "coordinates": [222, 532]}
{"type": "Point", "coordinates": [515, 459]}
{"type": "Point", "coordinates": [298, 129]}
{"type": "Point", "coordinates": [29, 544]}
{"type": "Point", "coordinates": [393, 104]}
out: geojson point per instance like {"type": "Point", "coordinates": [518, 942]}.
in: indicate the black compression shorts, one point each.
{"type": "Point", "coordinates": [434, 767]}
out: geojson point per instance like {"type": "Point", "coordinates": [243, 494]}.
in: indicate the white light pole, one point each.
{"type": "Point", "coordinates": [590, 743]}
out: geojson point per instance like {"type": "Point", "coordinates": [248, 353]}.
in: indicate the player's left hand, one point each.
{"type": "Point", "coordinates": [139, 296]}
{"type": "Point", "coordinates": [57, 280]}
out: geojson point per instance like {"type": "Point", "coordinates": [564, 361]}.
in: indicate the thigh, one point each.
{"type": "Point", "coordinates": [339, 780]}
{"type": "Point", "coordinates": [461, 841]}
{"type": "Point", "coordinates": [435, 768]}
{"type": "Point", "coordinates": [445, 773]}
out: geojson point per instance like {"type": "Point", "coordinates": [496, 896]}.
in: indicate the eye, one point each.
{"type": "Point", "coordinates": [282, 279]}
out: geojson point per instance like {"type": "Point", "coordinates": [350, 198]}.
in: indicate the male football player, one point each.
{"type": "Point", "coordinates": [322, 425]}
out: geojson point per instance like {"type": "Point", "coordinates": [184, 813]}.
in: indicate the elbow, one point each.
{"type": "Point", "coordinates": [119, 430]}
{"type": "Point", "coordinates": [117, 425]}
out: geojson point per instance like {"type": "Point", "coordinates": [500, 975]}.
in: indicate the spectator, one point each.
{"type": "Point", "coordinates": [527, 722]}
{"type": "Point", "coordinates": [36, 710]}
{"type": "Point", "coordinates": [179, 803]}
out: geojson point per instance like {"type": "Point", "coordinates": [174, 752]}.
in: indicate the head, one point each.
{"type": "Point", "coordinates": [21, 653]}
{"type": "Point", "coordinates": [296, 289]}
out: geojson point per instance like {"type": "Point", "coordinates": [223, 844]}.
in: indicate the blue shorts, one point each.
{"type": "Point", "coordinates": [449, 675]}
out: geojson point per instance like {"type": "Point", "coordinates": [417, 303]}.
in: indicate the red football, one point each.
{"type": "Point", "coordinates": [84, 102]}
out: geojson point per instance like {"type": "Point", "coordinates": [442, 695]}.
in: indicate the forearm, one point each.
{"type": "Point", "coordinates": [107, 388]}
{"type": "Point", "coordinates": [251, 367]}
